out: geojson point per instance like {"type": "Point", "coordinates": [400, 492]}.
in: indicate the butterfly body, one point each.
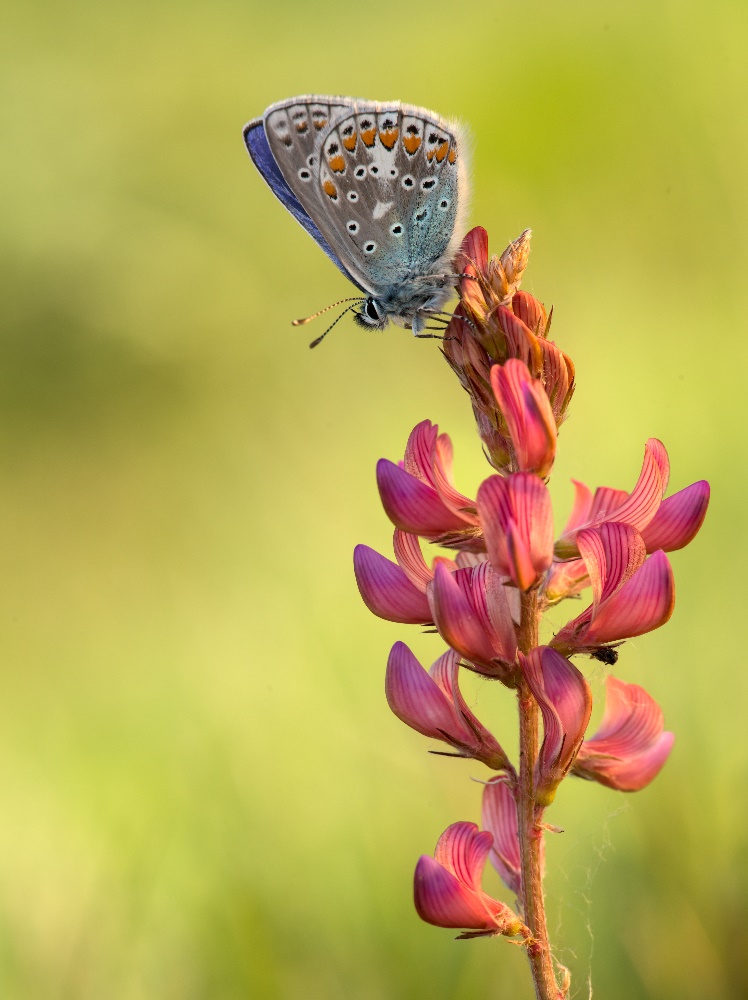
{"type": "Point", "coordinates": [380, 186]}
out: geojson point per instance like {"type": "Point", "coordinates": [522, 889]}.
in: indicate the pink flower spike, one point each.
{"type": "Point", "coordinates": [528, 415]}
{"type": "Point", "coordinates": [387, 591]}
{"type": "Point", "coordinates": [431, 703]}
{"type": "Point", "coordinates": [565, 703]}
{"type": "Point", "coordinates": [637, 509]}
{"type": "Point", "coordinates": [630, 748]}
{"type": "Point", "coordinates": [678, 520]}
{"type": "Point", "coordinates": [472, 614]}
{"type": "Point", "coordinates": [631, 596]}
{"type": "Point", "coordinates": [515, 514]}
{"type": "Point", "coordinates": [499, 817]}
{"type": "Point", "coordinates": [447, 890]}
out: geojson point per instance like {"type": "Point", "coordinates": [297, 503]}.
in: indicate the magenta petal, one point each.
{"type": "Point", "coordinates": [612, 554]}
{"type": "Point", "coordinates": [631, 722]}
{"type": "Point", "coordinates": [521, 498]}
{"type": "Point", "coordinates": [580, 513]}
{"type": "Point", "coordinates": [386, 590]}
{"type": "Point", "coordinates": [632, 773]}
{"type": "Point", "coordinates": [630, 747]}
{"type": "Point", "coordinates": [475, 737]}
{"type": "Point", "coordinates": [417, 699]}
{"type": "Point", "coordinates": [456, 618]}
{"type": "Point", "coordinates": [641, 506]}
{"type": "Point", "coordinates": [642, 604]}
{"type": "Point", "coordinates": [678, 519]}
{"type": "Point", "coordinates": [462, 849]}
{"type": "Point", "coordinates": [419, 450]}
{"type": "Point", "coordinates": [528, 415]}
{"type": "Point", "coordinates": [411, 504]}
{"type": "Point", "coordinates": [565, 702]}
{"type": "Point", "coordinates": [499, 818]}
{"type": "Point", "coordinates": [442, 900]}
{"type": "Point", "coordinates": [410, 559]}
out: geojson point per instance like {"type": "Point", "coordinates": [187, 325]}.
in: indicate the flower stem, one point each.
{"type": "Point", "coordinates": [529, 815]}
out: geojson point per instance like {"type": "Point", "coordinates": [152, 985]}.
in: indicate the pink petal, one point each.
{"type": "Point", "coordinates": [631, 722]}
{"type": "Point", "coordinates": [479, 740]}
{"type": "Point", "coordinates": [416, 698]}
{"type": "Point", "coordinates": [499, 818]}
{"type": "Point", "coordinates": [459, 504]}
{"type": "Point", "coordinates": [528, 415]}
{"type": "Point", "coordinates": [678, 519]}
{"type": "Point", "coordinates": [524, 499]}
{"type": "Point", "coordinates": [419, 452]}
{"type": "Point", "coordinates": [442, 900]}
{"type": "Point", "coordinates": [499, 611]}
{"type": "Point", "coordinates": [530, 311]}
{"type": "Point", "coordinates": [521, 569]}
{"type": "Point", "coordinates": [474, 250]}
{"type": "Point", "coordinates": [386, 590]}
{"type": "Point", "coordinates": [642, 604]}
{"type": "Point", "coordinates": [462, 849]}
{"type": "Point", "coordinates": [565, 702]}
{"type": "Point", "coordinates": [641, 506]}
{"type": "Point", "coordinates": [612, 554]}
{"type": "Point", "coordinates": [580, 513]}
{"type": "Point", "coordinates": [634, 773]}
{"type": "Point", "coordinates": [605, 501]}
{"type": "Point", "coordinates": [456, 618]}
{"type": "Point", "coordinates": [410, 559]}
{"type": "Point", "coordinates": [411, 504]}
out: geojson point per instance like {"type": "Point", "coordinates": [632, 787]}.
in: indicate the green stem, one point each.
{"type": "Point", "coordinates": [530, 815]}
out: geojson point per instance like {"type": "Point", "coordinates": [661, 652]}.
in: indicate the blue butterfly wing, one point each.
{"type": "Point", "coordinates": [262, 157]}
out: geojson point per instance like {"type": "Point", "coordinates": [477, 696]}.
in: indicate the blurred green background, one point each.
{"type": "Point", "coordinates": [203, 793]}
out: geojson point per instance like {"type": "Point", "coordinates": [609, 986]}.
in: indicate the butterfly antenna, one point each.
{"type": "Point", "coordinates": [336, 320]}
{"type": "Point", "coordinates": [308, 319]}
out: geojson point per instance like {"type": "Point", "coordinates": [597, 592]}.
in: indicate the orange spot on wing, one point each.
{"type": "Point", "coordinates": [369, 136]}
{"type": "Point", "coordinates": [350, 142]}
{"type": "Point", "coordinates": [389, 138]}
{"type": "Point", "coordinates": [301, 127]}
{"type": "Point", "coordinates": [319, 123]}
{"type": "Point", "coordinates": [330, 190]}
{"type": "Point", "coordinates": [337, 164]}
{"type": "Point", "coordinates": [411, 143]}
{"type": "Point", "coordinates": [442, 151]}
{"type": "Point", "coordinates": [452, 155]}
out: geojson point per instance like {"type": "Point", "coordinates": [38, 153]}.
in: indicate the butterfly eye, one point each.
{"type": "Point", "coordinates": [304, 174]}
{"type": "Point", "coordinates": [370, 247]}
{"type": "Point", "coordinates": [359, 172]}
{"type": "Point", "coordinates": [352, 196]}
{"type": "Point", "coordinates": [407, 181]}
{"type": "Point", "coordinates": [397, 229]}
{"type": "Point", "coordinates": [352, 227]}
{"type": "Point", "coordinates": [372, 310]}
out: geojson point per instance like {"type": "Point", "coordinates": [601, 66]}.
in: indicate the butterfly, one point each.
{"type": "Point", "coordinates": [380, 187]}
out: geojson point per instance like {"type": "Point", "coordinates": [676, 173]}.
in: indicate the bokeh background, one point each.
{"type": "Point", "coordinates": [202, 791]}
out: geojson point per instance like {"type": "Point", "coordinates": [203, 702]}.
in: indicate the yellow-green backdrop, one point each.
{"type": "Point", "coordinates": [202, 791]}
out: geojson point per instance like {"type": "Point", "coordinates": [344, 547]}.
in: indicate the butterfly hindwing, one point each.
{"type": "Point", "coordinates": [388, 182]}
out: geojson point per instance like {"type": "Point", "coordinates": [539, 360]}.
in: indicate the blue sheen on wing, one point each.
{"type": "Point", "coordinates": [259, 150]}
